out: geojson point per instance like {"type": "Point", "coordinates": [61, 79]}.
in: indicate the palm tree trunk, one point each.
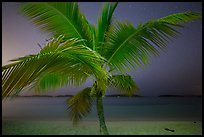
{"type": "Point", "coordinates": [99, 105]}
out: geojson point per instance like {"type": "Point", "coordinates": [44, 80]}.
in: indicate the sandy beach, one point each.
{"type": "Point", "coordinates": [15, 127]}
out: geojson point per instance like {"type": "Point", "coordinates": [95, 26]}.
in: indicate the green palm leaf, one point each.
{"type": "Point", "coordinates": [124, 83]}
{"type": "Point", "coordinates": [59, 18]}
{"type": "Point", "coordinates": [70, 59]}
{"type": "Point", "coordinates": [128, 46]}
{"type": "Point", "coordinates": [54, 80]}
{"type": "Point", "coordinates": [104, 23]}
{"type": "Point", "coordinates": [80, 105]}
{"type": "Point", "coordinates": [174, 19]}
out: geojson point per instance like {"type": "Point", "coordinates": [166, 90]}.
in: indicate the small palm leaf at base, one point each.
{"type": "Point", "coordinates": [80, 105]}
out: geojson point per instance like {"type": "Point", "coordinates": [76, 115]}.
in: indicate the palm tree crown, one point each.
{"type": "Point", "coordinates": [80, 50]}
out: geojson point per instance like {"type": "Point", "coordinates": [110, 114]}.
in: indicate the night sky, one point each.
{"type": "Point", "coordinates": [178, 71]}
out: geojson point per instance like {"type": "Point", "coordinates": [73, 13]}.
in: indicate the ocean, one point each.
{"type": "Point", "coordinates": [115, 108]}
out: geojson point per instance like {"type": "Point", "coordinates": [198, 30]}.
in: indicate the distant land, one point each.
{"type": "Point", "coordinates": [115, 95]}
{"type": "Point", "coordinates": [119, 95]}
{"type": "Point", "coordinates": [44, 96]}
{"type": "Point", "coordinates": [180, 96]}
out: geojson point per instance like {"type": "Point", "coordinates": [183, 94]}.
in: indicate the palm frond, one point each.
{"type": "Point", "coordinates": [94, 35]}
{"type": "Point", "coordinates": [176, 19]}
{"type": "Point", "coordinates": [54, 80]}
{"type": "Point", "coordinates": [80, 105]}
{"type": "Point", "coordinates": [124, 83]}
{"type": "Point", "coordinates": [104, 23]}
{"type": "Point", "coordinates": [131, 47]}
{"type": "Point", "coordinates": [59, 18]}
{"type": "Point", "coordinates": [70, 59]}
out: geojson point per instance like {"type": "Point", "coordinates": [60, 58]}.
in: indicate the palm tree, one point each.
{"type": "Point", "coordinates": [80, 50]}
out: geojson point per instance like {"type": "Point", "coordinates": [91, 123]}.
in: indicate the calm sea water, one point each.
{"type": "Point", "coordinates": [116, 108]}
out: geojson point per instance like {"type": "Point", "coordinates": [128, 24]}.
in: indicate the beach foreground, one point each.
{"type": "Point", "coordinates": [124, 116]}
{"type": "Point", "coordinates": [17, 127]}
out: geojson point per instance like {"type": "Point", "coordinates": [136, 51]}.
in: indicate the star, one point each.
{"type": "Point", "coordinates": [176, 7]}
{"type": "Point", "coordinates": [129, 6]}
